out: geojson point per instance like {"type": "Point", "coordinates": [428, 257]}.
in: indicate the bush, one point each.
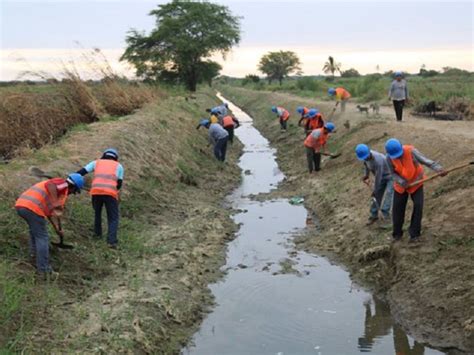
{"type": "Point", "coordinates": [350, 73]}
{"type": "Point", "coordinates": [307, 83]}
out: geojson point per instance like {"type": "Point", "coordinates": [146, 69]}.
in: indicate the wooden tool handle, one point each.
{"type": "Point", "coordinates": [439, 174]}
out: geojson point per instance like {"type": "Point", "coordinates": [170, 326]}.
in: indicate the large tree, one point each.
{"type": "Point", "coordinates": [331, 66]}
{"type": "Point", "coordinates": [186, 33]}
{"type": "Point", "coordinates": [278, 65]}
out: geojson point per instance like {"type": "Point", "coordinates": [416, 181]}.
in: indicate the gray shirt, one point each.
{"type": "Point", "coordinates": [418, 158]}
{"type": "Point", "coordinates": [398, 90]}
{"type": "Point", "coordinates": [216, 132]}
{"type": "Point", "coordinates": [379, 167]}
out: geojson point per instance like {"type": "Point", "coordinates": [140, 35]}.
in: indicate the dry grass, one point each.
{"type": "Point", "coordinates": [32, 118]}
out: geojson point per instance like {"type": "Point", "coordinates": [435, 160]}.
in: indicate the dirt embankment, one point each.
{"type": "Point", "coordinates": [429, 285]}
{"type": "Point", "coordinates": [149, 296]}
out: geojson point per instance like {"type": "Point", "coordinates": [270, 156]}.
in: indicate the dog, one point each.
{"type": "Point", "coordinates": [375, 108]}
{"type": "Point", "coordinates": [363, 109]}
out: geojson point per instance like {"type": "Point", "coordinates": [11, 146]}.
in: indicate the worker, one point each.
{"type": "Point", "coordinates": [398, 93]}
{"type": "Point", "coordinates": [230, 123]}
{"type": "Point", "coordinates": [219, 111]}
{"type": "Point", "coordinates": [376, 163]}
{"type": "Point", "coordinates": [42, 202]}
{"type": "Point", "coordinates": [218, 137]}
{"type": "Point", "coordinates": [106, 183]}
{"type": "Point", "coordinates": [342, 96]}
{"type": "Point", "coordinates": [283, 116]}
{"type": "Point", "coordinates": [314, 120]}
{"type": "Point", "coordinates": [405, 164]}
{"type": "Point", "coordinates": [302, 110]}
{"type": "Point", "coordinates": [314, 143]}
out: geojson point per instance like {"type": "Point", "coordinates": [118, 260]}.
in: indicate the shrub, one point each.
{"type": "Point", "coordinates": [308, 84]}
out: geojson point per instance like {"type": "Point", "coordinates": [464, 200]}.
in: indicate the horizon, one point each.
{"type": "Point", "coordinates": [366, 35]}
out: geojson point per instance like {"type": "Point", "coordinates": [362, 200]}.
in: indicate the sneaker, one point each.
{"type": "Point", "coordinates": [113, 246]}
{"type": "Point", "coordinates": [414, 240]}
{"type": "Point", "coordinates": [387, 216]}
{"type": "Point", "coordinates": [396, 239]}
{"type": "Point", "coordinates": [371, 220]}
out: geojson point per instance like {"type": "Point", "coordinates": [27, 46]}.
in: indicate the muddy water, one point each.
{"type": "Point", "coordinates": [275, 300]}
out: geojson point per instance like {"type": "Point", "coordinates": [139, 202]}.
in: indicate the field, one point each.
{"type": "Point", "coordinates": [447, 90]}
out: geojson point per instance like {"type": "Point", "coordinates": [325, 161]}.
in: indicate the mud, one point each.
{"type": "Point", "coordinates": [428, 286]}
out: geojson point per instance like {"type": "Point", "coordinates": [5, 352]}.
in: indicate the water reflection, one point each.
{"type": "Point", "coordinates": [380, 323]}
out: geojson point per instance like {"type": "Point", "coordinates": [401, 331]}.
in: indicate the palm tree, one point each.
{"type": "Point", "coordinates": [331, 66]}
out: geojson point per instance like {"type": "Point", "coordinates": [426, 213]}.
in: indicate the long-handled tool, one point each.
{"type": "Point", "coordinates": [464, 165]}
{"type": "Point", "coordinates": [374, 200]}
{"type": "Point", "coordinates": [332, 156]}
{"type": "Point", "coordinates": [59, 231]}
{"type": "Point", "coordinates": [37, 172]}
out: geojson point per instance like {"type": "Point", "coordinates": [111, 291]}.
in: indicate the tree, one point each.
{"type": "Point", "coordinates": [208, 70]}
{"type": "Point", "coordinates": [350, 73]}
{"type": "Point", "coordinates": [278, 65]}
{"type": "Point", "coordinates": [186, 32]}
{"type": "Point", "coordinates": [331, 66]}
{"type": "Point", "coordinates": [251, 78]}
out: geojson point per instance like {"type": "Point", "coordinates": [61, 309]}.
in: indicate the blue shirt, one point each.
{"type": "Point", "coordinates": [216, 132]}
{"type": "Point", "coordinates": [91, 167]}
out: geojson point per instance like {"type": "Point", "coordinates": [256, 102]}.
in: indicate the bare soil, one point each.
{"type": "Point", "coordinates": [429, 285]}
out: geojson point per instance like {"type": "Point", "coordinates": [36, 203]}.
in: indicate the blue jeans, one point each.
{"type": "Point", "coordinates": [39, 238]}
{"type": "Point", "coordinates": [112, 208]}
{"type": "Point", "coordinates": [220, 148]}
{"type": "Point", "coordinates": [385, 188]}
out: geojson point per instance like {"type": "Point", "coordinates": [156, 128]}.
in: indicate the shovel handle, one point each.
{"type": "Point", "coordinates": [439, 174]}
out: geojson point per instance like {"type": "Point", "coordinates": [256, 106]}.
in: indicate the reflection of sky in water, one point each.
{"type": "Point", "coordinates": [315, 310]}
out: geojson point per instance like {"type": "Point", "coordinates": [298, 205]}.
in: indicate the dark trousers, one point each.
{"type": "Point", "coordinates": [39, 238]}
{"type": "Point", "coordinates": [314, 160]}
{"type": "Point", "coordinates": [112, 208]}
{"type": "Point", "coordinates": [398, 106]}
{"type": "Point", "coordinates": [398, 213]}
{"type": "Point", "coordinates": [283, 124]}
{"type": "Point", "coordinates": [230, 130]}
{"type": "Point", "coordinates": [220, 148]}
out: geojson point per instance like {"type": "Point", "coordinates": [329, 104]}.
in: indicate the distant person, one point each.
{"type": "Point", "coordinates": [106, 183]}
{"type": "Point", "coordinates": [302, 110]}
{"type": "Point", "coordinates": [314, 120]}
{"type": "Point", "coordinates": [218, 137]}
{"type": "Point", "coordinates": [40, 203]}
{"type": "Point", "coordinates": [405, 164]}
{"type": "Point", "coordinates": [341, 95]}
{"type": "Point", "coordinates": [315, 143]}
{"type": "Point", "coordinates": [283, 115]}
{"type": "Point", "coordinates": [398, 93]}
{"type": "Point", "coordinates": [376, 163]}
{"type": "Point", "coordinates": [230, 123]}
{"type": "Point", "coordinates": [213, 115]}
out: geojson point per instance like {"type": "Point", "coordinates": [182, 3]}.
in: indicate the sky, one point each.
{"type": "Point", "coordinates": [402, 35]}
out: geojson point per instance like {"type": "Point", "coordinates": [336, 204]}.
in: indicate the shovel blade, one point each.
{"type": "Point", "coordinates": [62, 245]}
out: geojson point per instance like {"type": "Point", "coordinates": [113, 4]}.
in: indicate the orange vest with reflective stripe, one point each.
{"type": "Point", "coordinates": [105, 178]}
{"type": "Point", "coordinates": [38, 200]}
{"type": "Point", "coordinates": [316, 122]}
{"type": "Point", "coordinates": [342, 93]}
{"type": "Point", "coordinates": [285, 115]}
{"type": "Point", "coordinates": [317, 144]}
{"type": "Point", "coordinates": [407, 168]}
{"type": "Point", "coordinates": [227, 121]}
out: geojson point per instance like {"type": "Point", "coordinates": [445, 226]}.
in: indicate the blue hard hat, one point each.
{"type": "Point", "coordinates": [226, 104]}
{"type": "Point", "coordinates": [394, 148]}
{"type": "Point", "coordinates": [76, 179]}
{"type": "Point", "coordinates": [111, 152]}
{"type": "Point", "coordinates": [204, 122]}
{"type": "Point", "coordinates": [274, 109]}
{"type": "Point", "coordinates": [397, 74]}
{"type": "Point", "coordinates": [330, 126]}
{"type": "Point", "coordinates": [331, 91]}
{"type": "Point", "coordinates": [300, 109]}
{"type": "Point", "coordinates": [215, 111]}
{"type": "Point", "coordinates": [312, 113]}
{"type": "Point", "coordinates": [362, 151]}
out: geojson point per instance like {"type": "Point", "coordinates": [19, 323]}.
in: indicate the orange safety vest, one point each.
{"type": "Point", "coordinates": [227, 121]}
{"type": "Point", "coordinates": [316, 122]}
{"type": "Point", "coordinates": [38, 200]}
{"type": "Point", "coordinates": [409, 169]}
{"type": "Point", "coordinates": [342, 93]}
{"type": "Point", "coordinates": [317, 144]}
{"type": "Point", "coordinates": [105, 178]}
{"type": "Point", "coordinates": [286, 115]}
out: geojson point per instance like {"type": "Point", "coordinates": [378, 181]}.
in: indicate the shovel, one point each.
{"type": "Point", "coordinates": [464, 165]}
{"type": "Point", "coordinates": [332, 156]}
{"type": "Point", "coordinates": [59, 231]}
{"type": "Point", "coordinates": [374, 200]}
{"type": "Point", "coordinates": [37, 172]}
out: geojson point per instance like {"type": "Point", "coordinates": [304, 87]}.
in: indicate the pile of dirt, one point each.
{"type": "Point", "coordinates": [429, 285]}
{"type": "Point", "coordinates": [149, 295]}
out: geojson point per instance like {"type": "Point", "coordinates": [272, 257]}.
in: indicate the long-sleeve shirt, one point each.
{"type": "Point", "coordinates": [90, 167]}
{"type": "Point", "coordinates": [398, 90]}
{"type": "Point", "coordinates": [417, 158]}
{"type": "Point", "coordinates": [216, 132]}
{"type": "Point", "coordinates": [379, 167]}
